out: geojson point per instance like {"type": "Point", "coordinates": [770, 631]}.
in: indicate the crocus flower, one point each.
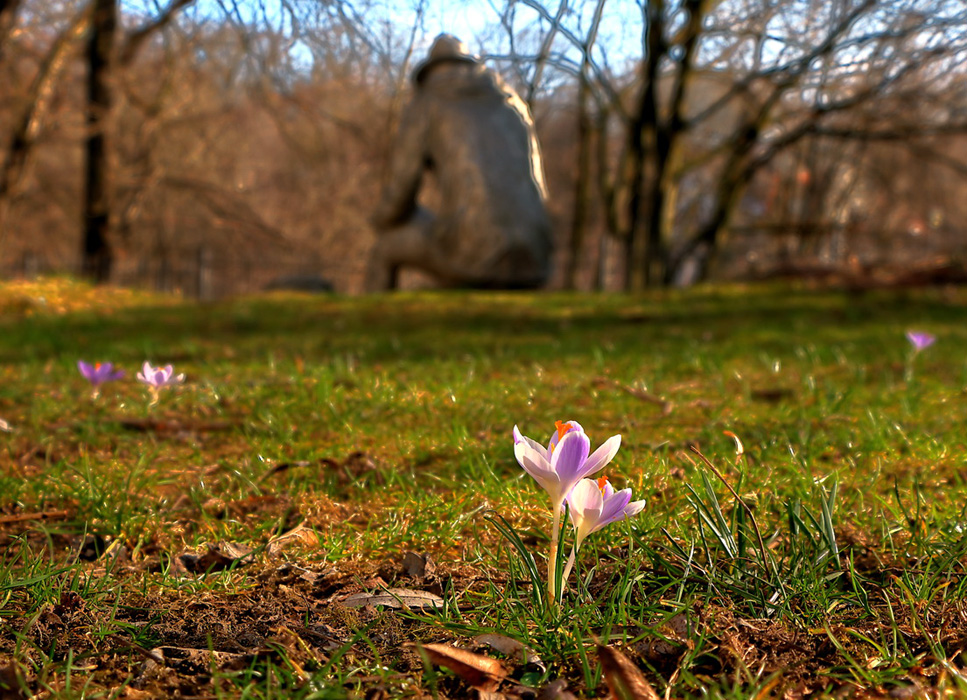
{"type": "Point", "coordinates": [99, 372]}
{"type": "Point", "coordinates": [565, 461]}
{"type": "Point", "coordinates": [594, 504]}
{"type": "Point", "coordinates": [558, 468]}
{"type": "Point", "coordinates": [920, 341]}
{"type": "Point", "coordinates": [158, 377]}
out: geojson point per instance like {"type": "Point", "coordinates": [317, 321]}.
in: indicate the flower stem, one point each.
{"type": "Point", "coordinates": [552, 558]}
{"type": "Point", "coordinates": [570, 564]}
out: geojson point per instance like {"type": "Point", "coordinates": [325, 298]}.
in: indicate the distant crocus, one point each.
{"type": "Point", "coordinates": [159, 377]}
{"type": "Point", "coordinates": [920, 341]}
{"type": "Point", "coordinates": [98, 373]}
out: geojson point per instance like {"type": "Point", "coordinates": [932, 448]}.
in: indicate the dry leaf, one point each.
{"type": "Point", "coordinates": [739, 449]}
{"type": "Point", "coordinates": [177, 427]}
{"type": "Point", "coordinates": [188, 661]}
{"type": "Point", "coordinates": [395, 598]}
{"type": "Point", "coordinates": [300, 534]}
{"type": "Point", "coordinates": [418, 565]}
{"type": "Point", "coordinates": [556, 690]}
{"type": "Point", "coordinates": [624, 678]}
{"type": "Point", "coordinates": [772, 395]}
{"type": "Point", "coordinates": [675, 633]}
{"type": "Point", "coordinates": [216, 557]}
{"type": "Point", "coordinates": [481, 672]}
{"type": "Point", "coordinates": [11, 683]}
{"type": "Point", "coordinates": [511, 648]}
{"type": "Point", "coordinates": [325, 462]}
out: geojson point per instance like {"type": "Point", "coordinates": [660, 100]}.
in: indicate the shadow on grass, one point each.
{"type": "Point", "coordinates": [430, 326]}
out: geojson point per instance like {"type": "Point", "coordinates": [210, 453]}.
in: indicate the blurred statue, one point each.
{"type": "Point", "coordinates": [476, 136]}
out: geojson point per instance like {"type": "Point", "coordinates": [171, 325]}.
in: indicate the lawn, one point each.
{"type": "Point", "coordinates": [330, 506]}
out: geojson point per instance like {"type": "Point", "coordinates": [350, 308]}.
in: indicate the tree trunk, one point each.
{"type": "Point", "coordinates": [96, 254]}
{"type": "Point", "coordinates": [24, 132]}
{"type": "Point", "coordinates": [643, 137]}
{"type": "Point", "coordinates": [8, 16]}
{"type": "Point", "coordinates": [582, 186]}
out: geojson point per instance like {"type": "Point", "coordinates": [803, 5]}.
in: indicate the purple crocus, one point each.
{"type": "Point", "coordinates": [558, 468]}
{"type": "Point", "coordinates": [919, 340]}
{"type": "Point", "coordinates": [99, 372]}
{"type": "Point", "coordinates": [158, 377]}
{"type": "Point", "coordinates": [565, 461]}
{"type": "Point", "coordinates": [594, 504]}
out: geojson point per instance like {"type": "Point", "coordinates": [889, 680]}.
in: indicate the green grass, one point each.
{"type": "Point", "coordinates": [384, 425]}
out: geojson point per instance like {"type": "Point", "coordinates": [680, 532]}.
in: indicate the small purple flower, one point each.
{"type": "Point", "coordinates": [594, 504]}
{"type": "Point", "coordinates": [919, 340]}
{"type": "Point", "coordinates": [159, 377]}
{"type": "Point", "coordinates": [565, 461]}
{"type": "Point", "coordinates": [99, 372]}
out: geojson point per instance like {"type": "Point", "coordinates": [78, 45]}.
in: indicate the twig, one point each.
{"type": "Point", "coordinates": [665, 405]}
{"type": "Point", "coordinates": [41, 515]}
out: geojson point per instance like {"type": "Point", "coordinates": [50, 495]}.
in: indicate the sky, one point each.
{"type": "Point", "coordinates": [474, 21]}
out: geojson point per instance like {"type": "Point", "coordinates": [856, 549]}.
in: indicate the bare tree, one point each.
{"type": "Point", "coordinates": [96, 253]}
{"type": "Point", "coordinates": [686, 134]}
{"type": "Point", "coordinates": [782, 72]}
{"type": "Point", "coordinates": [27, 125]}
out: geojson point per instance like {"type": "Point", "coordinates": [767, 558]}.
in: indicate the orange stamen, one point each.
{"type": "Point", "coordinates": [562, 428]}
{"type": "Point", "coordinates": [602, 482]}
{"type": "Point", "coordinates": [97, 365]}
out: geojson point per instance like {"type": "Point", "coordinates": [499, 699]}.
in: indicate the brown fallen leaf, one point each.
{"type": "Point", "coordinates": [511, 648]}
{"type": "Point", "coordinates": [772, 395]}
{"type": "Point", "coordinates": [672, 639]}
{"type": "Point", "coordinates": [153, 425]}
{"type": "Point", "coordinates": [286, 466]}
{"type": "Point", "coordinates": [395, 598]}
{"type": "Point", "coordinates": [481, 672]}
{"type": "Point", "coordinates": [556, 690]}
{"type": "Point", "coordinates": [187, 661]}
{"type": "Point", "coordinates": [11, 683]}
{"type": "Point", "coordinates": [216, 557]}
{"type": "Point", "coordinates": [300, 534]}
{"type": "Point", "coordinates": [418, 565]}
{"type": "Point", "coordinates": [624, 679]}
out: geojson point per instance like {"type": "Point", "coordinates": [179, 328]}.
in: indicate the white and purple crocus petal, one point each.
{"type": "Point", "coordinates": [594, 504]}
{"type": "Point", "coordinates": [534, 461]}
{"type": "Point", "coordinates": [99, 372]}
{"type": "Point", "coordinates": [158, 377]}
{"type": "Point", "coordinates": [565, 461]}
{"type": "Point", "coordinates": [920, 340]}
{"type": "Point", "coordinates": [562, 428]}
{"type": "Point", "coordinates": [569, 461]}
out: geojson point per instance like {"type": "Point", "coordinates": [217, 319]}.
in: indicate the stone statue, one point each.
{"type": "Point", "coordinates": [475, 135]}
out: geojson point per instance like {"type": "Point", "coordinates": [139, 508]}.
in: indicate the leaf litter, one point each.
{"type": "Point", "coordinates": [308, 612]}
